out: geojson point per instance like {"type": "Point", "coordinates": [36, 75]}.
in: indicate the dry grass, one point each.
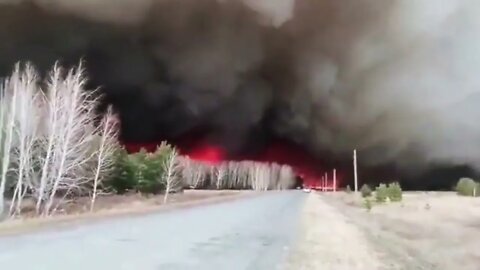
{"type": "Point", "coordinates": [329, 241]}
{"type": "Point", "coordinates": [435, 230]}
{"type": "Point", "coordinates": [121, 202]}
{"type": "Point", "coordinates": [117, 206]}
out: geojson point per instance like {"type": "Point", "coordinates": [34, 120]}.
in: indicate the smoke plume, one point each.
{"type": "Point", "coordinates": [397, 80]}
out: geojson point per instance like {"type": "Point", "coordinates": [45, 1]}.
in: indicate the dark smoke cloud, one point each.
{"type": "Point", "coordinates": [395, 79]}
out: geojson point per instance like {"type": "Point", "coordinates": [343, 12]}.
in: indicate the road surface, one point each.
{"type": "Point", "coordinates": [253, 233]}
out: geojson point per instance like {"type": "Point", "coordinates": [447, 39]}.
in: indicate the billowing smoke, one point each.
{"type": "Point", "coordinates": [398, 80]}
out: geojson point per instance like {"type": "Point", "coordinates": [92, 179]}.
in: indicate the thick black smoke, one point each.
{"type": "Point", "coordinates": [397, 80]}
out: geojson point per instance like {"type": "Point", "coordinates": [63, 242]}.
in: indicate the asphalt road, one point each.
{"type": "Point", "coordinates": [251, 233]}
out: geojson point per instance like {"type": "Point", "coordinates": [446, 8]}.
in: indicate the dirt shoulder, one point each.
{"type": "Point", "coordinates": [117, 206]}
{"type": "Point", "coordinates": [434, 230]}
{"type": "Point", "coordinates": [330, 241]}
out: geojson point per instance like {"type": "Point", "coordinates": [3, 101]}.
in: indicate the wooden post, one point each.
{"type": "Point", "coordinates": [355, 170]}
{"type": "Point", "coordinates": [334, 180]}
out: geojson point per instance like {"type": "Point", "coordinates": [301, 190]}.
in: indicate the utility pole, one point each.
{"type": "Point", "coordinates": [355, 169]}
{"type": "Point", "coordinates": [334, 180]}
{"type": "Point", "coordinates": [326, 182]}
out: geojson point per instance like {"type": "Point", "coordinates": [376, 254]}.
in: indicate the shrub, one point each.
{"type": "Point", "coordinates": [381, 193]}
{"type": "Point", "coordinates": [467, 187]}
{"type": "Point", "coordinates": [366, 191]}
{"type": "Point", "coordinates": [394, 192]}
{"type": "Point", "coordinates": [367, 203]}
{"type": "Point", "coordinates": [348, 189]}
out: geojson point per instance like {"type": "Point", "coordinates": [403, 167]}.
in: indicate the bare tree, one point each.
{"type": "Point", "coordinates": [172, 180]}
{"type": "Point", "coordinates": [108, 132]}
{"type": "Point", "coordinates": [74, 132]}
{"type": "Point", "coordinates": [244, 175]}
{"type": "Point", "coordinates": [51, 109]}
{"type": "Point", "coordinates": [233, 176]}
{"type": "Point", "coordinates": [199, 175]}
{"type": "Point", "coordinates": [61, 133]}
{"type": "Point", "coordinates": [212, 176]}
{"type": "Point", "coordinates": [49, 143]}
{"type": "Point", "coordinates": [8, 93]}
{"type": "Point", "coordinates": [222, 174]}
{"type": "Point", "coordinates": [286, 177]}
{"type": "Point", "coordinates": [262, 177]}
{"type": "Point", "coordinates": [192, 172]}
{"type": "Point", "coordinates": [61, 149]}
{"type": "Point", "coordinates": [26, 131]}
{"type": "Point", "coordinates": [274, 176]}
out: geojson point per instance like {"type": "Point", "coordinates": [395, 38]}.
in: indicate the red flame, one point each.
{"type": "Point", "coordinates": [206, 153]}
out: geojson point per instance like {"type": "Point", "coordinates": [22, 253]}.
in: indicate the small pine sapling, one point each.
{"type": "Point", "coordinates": [381, 193]}
{"type": "Point", "coordinates": [366, 191]}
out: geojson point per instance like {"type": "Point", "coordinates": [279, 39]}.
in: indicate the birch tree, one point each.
{"type": "Point", "coordinates": [199, 174]}
{"type": "Point", "coordinates": [286, 177]}
{"type": "Point", "coordinates": [8, 93]}
{"type": "Point", "coordinates": [73, 134]}
{"type": "Point", "coordinates": [105, 161]}
{"type": "Point", "coordinates": [222, 174]}
{"type": "Point", "coordinates": [274, 176]}
{"type": "Point", "coordinates": [190, 172]}
{"type": "Point", "coordinates": [261, 177]}
{"type": "Point", "coordinates": [243, 175]}
{"type": "Point", "coordinates": [233, 171]}
{"type": "Point", "coordinates": [28, 117]}
{"type": "Point", "coordinates": [50, 144]}
{"type": "Point", "coordinates": [171, 178]}
{"type": "Point", "coordinates": [51, 109]}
